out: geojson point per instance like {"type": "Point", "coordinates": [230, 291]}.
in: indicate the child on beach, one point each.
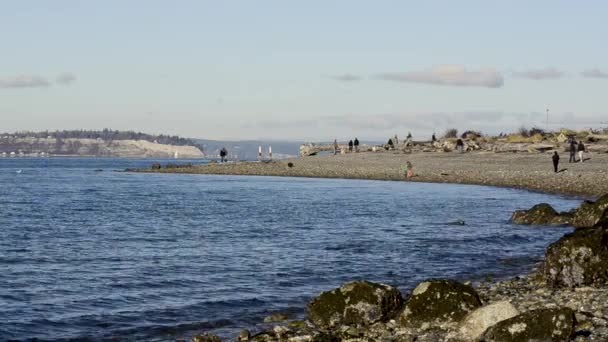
{"type": "Point", "coordinates": [409, 173]}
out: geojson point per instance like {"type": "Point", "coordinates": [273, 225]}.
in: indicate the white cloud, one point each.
{"type": "Point", "coordinates": [65, 78]}
{"type": "Point", "coordinates": [450, 75]}
{"type": "Point", "coordinates": [594, 73]}
{"type": "Point", "coordinates": [24, 81]}
{"type": "Point", "coordinates": [346, 78]}
{"type": "Point", "coordinates": [548, 73]}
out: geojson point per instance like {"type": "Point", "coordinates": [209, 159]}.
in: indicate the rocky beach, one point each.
{"type": "Point", "coordinates": [564, 299]}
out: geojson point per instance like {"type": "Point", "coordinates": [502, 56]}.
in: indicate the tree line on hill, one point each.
{"type": "Point", "coordinates": [106, 135]}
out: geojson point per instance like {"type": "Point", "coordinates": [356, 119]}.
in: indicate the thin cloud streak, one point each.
{"type": "Point", "coordinates": [448, 75]}
{"type": "Point", "coordinates": [548, 73]}
{"type": "Point", "coordinates": [594, 73]}
{"type": "Point", "coordinates": [25, 81]}
{"type": "Point", "coordinates": [65, 78]}
{"type": "Point", "coordinates": [345, 78]}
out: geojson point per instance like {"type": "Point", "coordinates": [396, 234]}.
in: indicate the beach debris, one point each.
{"type": "Point", "coordinates": [357, 302]}
{"type": "Point", "coordinates": [439, 300]}
{"type": "Point", "coordinates": [542, 214]}
{"type": "Point", "coordinates": [578, 259]}
{"type": "Point", "coordinates": [556, 324]}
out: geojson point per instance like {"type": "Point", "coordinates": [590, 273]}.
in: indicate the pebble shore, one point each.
{"type": "Point", "coordinates": [532, 171]}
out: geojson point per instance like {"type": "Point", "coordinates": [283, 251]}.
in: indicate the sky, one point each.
{"type": "Point", "coordinates": [302, 70]}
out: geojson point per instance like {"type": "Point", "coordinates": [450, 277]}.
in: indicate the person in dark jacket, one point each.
{"type": "Point", "coordinates": [572, 151]}
{"type": "Point", "coordinates": [350, 146]}
{"type": "Point", "coordinates": [555, 161]}
{"type": "Point", "coordinates": [356, 145]}
{"type": "Point", "coordinates": [223, 154]}
{"type": "Point", "coordinates": [433, 138]}
{"type": "Point", "coordinates": [581, 149]}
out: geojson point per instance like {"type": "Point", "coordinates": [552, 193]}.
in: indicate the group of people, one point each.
{"type": "Point", "coordinates": [351, 144]}
{"type": "Point", "coordinates": [573, 148]}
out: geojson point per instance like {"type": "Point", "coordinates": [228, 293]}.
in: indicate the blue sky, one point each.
{"type": "Point", "coordinates": [307, 70]}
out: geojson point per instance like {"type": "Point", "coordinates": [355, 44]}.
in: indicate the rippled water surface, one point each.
{"type": "Point", "coordinates": [86, 252]}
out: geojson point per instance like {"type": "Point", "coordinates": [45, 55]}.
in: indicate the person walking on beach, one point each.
{"type": "Point", "coordinates": [409, 172]}
{"type": "Point", "coordinates": [555, 161]}
{"type": "Point", "coordinates": [572, 151]}
{"type": "Point", "coordinates": [350, 146]}
{"type": "Point", "coordinates": [356, 145]}
{"type": "Point", "coordinates": [460, 145]}
{"type": "Point", "coordinates": [433, 138]}
{"type": "Point", "coordinates": [390, 143]}
{"type": "Point", "coordinates": [335, 146]}
{"type": "Point", "coordinates": [223, 154]}
{"type": "Point", "coordinates": [581, 149]}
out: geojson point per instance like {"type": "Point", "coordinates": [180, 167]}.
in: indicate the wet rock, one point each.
{"type": "Point", "coordinates": [542, 214]}
{"type": "Point", "coordinates": [244, 336]}
{"type": "Point", "coordinates": [435, 301]}
{"type": "Point", "coordinates": [535, 325]}
{"type": "Point", "coordinates": [478, 321]}
{"type": "Point", "coordinates": [206, 338]}
{"type": "Point", "coordinates": [590, 213]}
{"type": "Point", "coordinates": [276, 317]}
{"type": "Point", "coordinates": [156, 166]}
{"type": "Point", "coordinates": [578, 259]}
{"type": "Point", "coordinates": [355, 303]}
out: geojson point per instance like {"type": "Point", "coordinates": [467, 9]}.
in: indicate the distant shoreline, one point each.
{"type": "Point", "coordinates": [530, 171]}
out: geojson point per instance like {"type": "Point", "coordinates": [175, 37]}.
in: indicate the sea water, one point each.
{"type": "Point", "coordinates": [90, 253]}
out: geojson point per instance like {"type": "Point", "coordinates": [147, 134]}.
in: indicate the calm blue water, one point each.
{"type": "Point", "coordinates": [106, 255]}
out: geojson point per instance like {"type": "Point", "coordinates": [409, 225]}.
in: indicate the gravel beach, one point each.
{"type": "Point", "coordinates": [533, 171]}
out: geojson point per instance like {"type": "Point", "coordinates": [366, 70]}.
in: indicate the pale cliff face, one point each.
{"type": "Point", "coordinates": [98, 147]}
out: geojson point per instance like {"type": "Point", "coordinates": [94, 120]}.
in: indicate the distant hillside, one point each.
{"type": "Point", "coordinates": [248, 149]}
{"type": "Point", "coordinates": [97, 143]}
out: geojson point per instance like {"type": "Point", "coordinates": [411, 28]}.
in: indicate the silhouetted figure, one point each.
{"type": "Point", "coordinates": [390, 143]}
{"type": "Point", "coordinates": [409, 136]}
{"type": "Point", "coordinates": [433, 138]}
{"type": "Point", "coordinates": [223, 154]}
{"type": "Point", "coordinates": [581, 149]}
{"type": "Point", "coordinates": [350, 146]}
{"type": "Point", "coordinates": [555, 158]}
{"type": "Point", "coordinates": [460, 145]}
{"type": "Point", "coordinates": [572, 151]}
{"type": "Point", "coordinates": [335, 147]}
{"type": "Point", "coordinates": [356, 145]}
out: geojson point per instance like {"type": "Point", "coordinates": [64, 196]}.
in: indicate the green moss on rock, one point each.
{"type": "Point", "coordinates": [440, 300]}
{"type": "Point", "coordinates": [554, 325]}
{"type": "Point", "coordinates": [590, 214]}
{"type": "Point", "coordinates": [577, 259]}
{"type": "Point", "coordinates": [542, 214]}
{"type": "Point", "coordinates": [355, 303]}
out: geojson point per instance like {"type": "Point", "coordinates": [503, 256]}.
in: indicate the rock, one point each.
{"type": "Point", "coordinates": [578, 259]}
{"type": "Point", "coordinates": [206, 338]}
{"type": "Point", "coordinates": [276, 317]}
{"type": "Point", "coordinates": [535, 325]}
{"type": "Point", "coordinates": [436, 301]}
{"type": "Point", "coordinates": [244, 336]}
{"type": "Point", "coordinates": [156, 166]}
{"type": "Point", "coordinates": [590, 213]}
{"type": "Point", "coordinates": [355, 303]}
{"type": "Point", "coordinates": [475, 323]}
{"type": "Point", "coordinates": [542, 214]}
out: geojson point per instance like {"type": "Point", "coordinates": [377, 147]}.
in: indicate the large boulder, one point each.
{"type": "Point", "coordinates": [537, 325]}
{"type": "Point", "coordinates": [437, 301]}
{"type": "Point", "coordinates": [542, 214]}
{"type": "Point", "coordinates": [590, 213]}
{"type": "Point", "coordinates": [477, 322]}
{"type": "Point", "coordinates": [355, 303]}
{"type": "Point", "coordinates": [578, 259]}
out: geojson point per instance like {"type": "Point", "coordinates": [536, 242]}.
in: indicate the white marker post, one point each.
{"type": "Point", "coordinates": [260, 152]}
{"type": "Point", "coordinates": [270, 152]}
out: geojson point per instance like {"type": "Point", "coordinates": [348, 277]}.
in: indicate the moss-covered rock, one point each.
{"type": "Point", "coordinates": [206, 338]}
{"type": "Point", "coordinates": [537, 325]}
{"type": "Point", "coordinates": [590, 214]}
{"type": "Point", "coordinates": [542, 214]}
{"type": "Point", "coordinates": [437, 301]}
{"type": "Point", "coordinates": [577, 259]}
{"type": "Point", "coordinates": [355, 303]}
